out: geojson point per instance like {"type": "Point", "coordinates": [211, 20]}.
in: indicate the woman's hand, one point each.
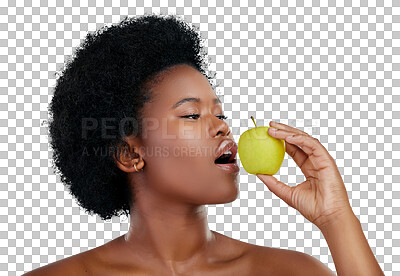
{"type": "Point", "coordinates": [322, 197]}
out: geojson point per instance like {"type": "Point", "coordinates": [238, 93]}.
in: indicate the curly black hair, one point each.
{"type": "Point", "coordinates": [110, 79]}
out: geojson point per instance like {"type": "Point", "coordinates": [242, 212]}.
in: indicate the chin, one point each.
{"type": "Point", "coordinates": [225, 192]}
{"type": "Point", "coordinates": [235, 193]}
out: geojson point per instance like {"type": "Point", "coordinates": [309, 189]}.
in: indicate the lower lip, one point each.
{"type": "Point", "coordinates": [229, 167]}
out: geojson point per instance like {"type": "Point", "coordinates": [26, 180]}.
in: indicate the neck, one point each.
{"type": "Point", "coordinates": [171, 231]}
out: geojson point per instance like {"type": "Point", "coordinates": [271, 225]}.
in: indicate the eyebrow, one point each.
{"type": "Point", "coordinates": [197, 100]}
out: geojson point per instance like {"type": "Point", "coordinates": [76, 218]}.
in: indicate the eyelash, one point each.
{"type": "Point", "coordinates": [198, 115]}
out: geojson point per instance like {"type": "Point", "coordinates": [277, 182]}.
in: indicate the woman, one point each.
{"type": "Point", "coordinates": [137, 129]}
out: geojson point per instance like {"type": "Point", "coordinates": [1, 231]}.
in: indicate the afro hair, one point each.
{"type": "Point", "coordinates": [108, 80]}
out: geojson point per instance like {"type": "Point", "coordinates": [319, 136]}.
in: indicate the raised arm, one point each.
{"type": "Point", "coordinates": [322, 199]}
{"type": "Point", "coordinates": [349, 247]}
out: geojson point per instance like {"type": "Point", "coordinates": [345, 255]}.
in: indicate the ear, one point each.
{"type": "Point", "coordinates": [129, 154]}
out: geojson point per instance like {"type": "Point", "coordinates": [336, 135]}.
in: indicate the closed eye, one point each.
{"type": "Point", "coordinates": [191, 115]}
{"type": "Point", "coordinates": [196, 116]}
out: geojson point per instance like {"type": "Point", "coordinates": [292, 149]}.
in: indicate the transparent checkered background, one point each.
{"type": "Point", "coordinates": [331, 70]}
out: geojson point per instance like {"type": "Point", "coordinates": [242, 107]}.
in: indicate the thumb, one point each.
{"type": "Point", "coordinates": [279, 188]}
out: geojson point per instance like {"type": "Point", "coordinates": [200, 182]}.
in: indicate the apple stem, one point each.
{"type": "Point", "coordinates": [253, 120]}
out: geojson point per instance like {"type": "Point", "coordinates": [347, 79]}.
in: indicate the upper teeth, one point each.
{"type": "Point", "coordinates": [228, 152]}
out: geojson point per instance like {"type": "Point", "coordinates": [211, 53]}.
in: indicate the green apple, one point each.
{"type": "Point", "coordinates": [259, 152]}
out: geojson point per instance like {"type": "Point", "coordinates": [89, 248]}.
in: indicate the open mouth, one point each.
{"type": "Point", "coordinates": [227, 157]}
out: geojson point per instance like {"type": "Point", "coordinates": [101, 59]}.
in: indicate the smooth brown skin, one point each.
{"type": "Point", "coordinates": [169, 233]}
{"type": "Point", "coordinates": [322, 199]}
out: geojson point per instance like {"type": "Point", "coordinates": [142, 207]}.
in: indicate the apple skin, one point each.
{"type": "Point", "coordinates": [259, 152]}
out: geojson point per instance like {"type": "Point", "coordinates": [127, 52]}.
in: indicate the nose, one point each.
{"type": "Point", "coordinates": [218, 127]}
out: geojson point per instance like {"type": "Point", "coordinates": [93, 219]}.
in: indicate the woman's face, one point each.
{"type": "Point", "coordinates": [178, 152]}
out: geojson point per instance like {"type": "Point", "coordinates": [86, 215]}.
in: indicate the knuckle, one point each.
{"type": "Point", "coordinates": [305, 135]}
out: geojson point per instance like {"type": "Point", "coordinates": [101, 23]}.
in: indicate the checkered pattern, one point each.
{"type": "Point", "coordinates": [331, 70]}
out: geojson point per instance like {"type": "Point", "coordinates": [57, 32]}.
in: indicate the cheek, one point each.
{"type": "Point", "coordinates": [182, 168]}
{"type": "Point", "coordinates": [191, 179]}
{"type": "Point", "coordinates": [178, 171]}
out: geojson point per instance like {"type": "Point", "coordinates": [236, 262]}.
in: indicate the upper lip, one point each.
{"type": "Point", "coordinates": [225, 145]}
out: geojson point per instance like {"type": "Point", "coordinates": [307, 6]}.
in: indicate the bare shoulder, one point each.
{"type": "Point", "coordinates": [279, 261]}
{"type": "Point", "coordinates": [106, 259]}
{"type": "Point", "coordinates": [73, 265]}
{"type": "Point", "coordinates": [263, 260]}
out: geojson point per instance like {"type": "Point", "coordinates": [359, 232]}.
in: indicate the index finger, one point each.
{"type": "Point", "coordinates": [316, 152]}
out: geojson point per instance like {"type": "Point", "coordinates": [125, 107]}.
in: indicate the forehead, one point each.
{"type": "Point", "coordinates": [180, 82]}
